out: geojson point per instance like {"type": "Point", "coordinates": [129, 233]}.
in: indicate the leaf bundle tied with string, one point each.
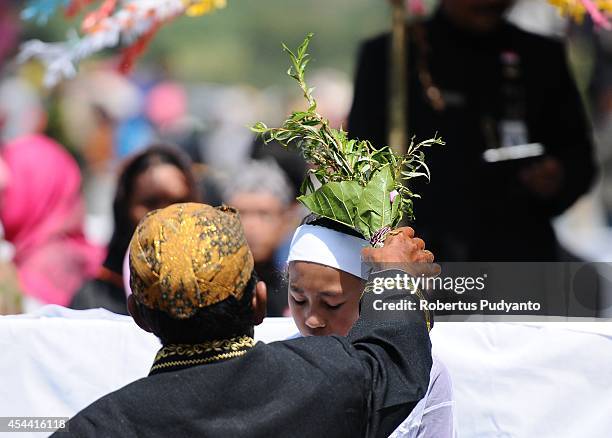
{"type": "Point", "coordinates": [361, 186]}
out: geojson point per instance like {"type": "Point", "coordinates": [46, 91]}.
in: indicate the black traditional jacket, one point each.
{"type": "Point", "coordinates": [363, 385]}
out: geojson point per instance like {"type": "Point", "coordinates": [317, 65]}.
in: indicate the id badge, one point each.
{"type": "Point", "coordinates": [513, 138]}
{"type": "Point", "coordinates": [512, 133]}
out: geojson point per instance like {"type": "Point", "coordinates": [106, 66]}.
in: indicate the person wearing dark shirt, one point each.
{"type": "Point", "coordinates": [261, 192]}
{"type": "Point", "coordinates": [483, 85]}
{"type": "Point", "coordinates": [194, 287]}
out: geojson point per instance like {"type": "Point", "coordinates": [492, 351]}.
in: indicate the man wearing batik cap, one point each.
{"type": "Point", "coordinates": [194, 287]}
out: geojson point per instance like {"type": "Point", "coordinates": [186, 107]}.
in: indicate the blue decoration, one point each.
{"type": "Point", "coordinates": [42, 10]}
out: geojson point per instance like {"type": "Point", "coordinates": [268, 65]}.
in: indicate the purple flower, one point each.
{"type": "Point", "coordinates": [392, 195]}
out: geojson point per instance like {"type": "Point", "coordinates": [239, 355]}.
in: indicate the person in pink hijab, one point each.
{"type": "Point", "coordinates": [42, 212]}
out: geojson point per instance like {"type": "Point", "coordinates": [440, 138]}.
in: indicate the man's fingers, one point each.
{"type": "Point", "coordinates": [402, 251]}
{"type": "Point", "coordinates": [422, 269]}
{"type": "Point", "coordinates": [420, 243]}
{"type": "Point", "coordinates": [402, 231]}
{"type": "Point", "coordinates": [430, 270]}
{"type": "Point", "coordinates": [425, 256]}
{"type": "Point", "coordinates": [366, 254]}
{"type": "Point", "coordinates": [409, 231]}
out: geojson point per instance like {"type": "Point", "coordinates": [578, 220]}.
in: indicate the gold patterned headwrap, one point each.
{"type": "Point", "coordinates": [188, 256]}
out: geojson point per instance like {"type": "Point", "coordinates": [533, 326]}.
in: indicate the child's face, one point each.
{"type": "Point", "coordinates": [323, 300]}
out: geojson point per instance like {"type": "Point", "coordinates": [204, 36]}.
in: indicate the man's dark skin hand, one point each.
{"type": "Point", "coordinates": [402, 251]}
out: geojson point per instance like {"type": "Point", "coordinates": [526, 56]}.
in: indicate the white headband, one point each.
{"type": "Point", "coordinates": [328, 247]}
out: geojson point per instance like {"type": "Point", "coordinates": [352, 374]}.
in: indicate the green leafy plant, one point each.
{"type": "Point", "coordinates": [362, 187]}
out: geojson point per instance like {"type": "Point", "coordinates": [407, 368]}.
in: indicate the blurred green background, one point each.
{"type": "Point", "coordinates": [242, 43]}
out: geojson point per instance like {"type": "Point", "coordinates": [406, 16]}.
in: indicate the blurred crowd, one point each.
{"type": "Point", "coordinates": [81, 165]}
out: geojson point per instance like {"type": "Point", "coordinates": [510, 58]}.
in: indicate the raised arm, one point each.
{"type": "Point", "coordinates": [391, 337]}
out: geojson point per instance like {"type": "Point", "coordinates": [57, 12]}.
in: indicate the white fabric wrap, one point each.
{"type": "Point", "coordinates": [328, 247]}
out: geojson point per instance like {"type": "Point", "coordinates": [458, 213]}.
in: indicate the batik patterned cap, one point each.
{"type": "Point", "coordinates": [189, 256]}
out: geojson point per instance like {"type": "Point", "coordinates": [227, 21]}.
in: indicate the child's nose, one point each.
{"type": "Point", "coordinates": [314, 322]}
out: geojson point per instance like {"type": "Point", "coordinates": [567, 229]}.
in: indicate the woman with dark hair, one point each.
{"type": "Point", "coordinates": [153, 179]}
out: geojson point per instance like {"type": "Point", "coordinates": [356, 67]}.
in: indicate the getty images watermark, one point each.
{"type": "Point", "coordinates": [457, 286]}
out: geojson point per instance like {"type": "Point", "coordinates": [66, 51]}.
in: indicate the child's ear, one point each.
{"type": "Point", "coordinates": [259, 302]}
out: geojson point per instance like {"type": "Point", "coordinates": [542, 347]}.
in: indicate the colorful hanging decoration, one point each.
{"type": "Point", "coordinates": [42, 10]}
{"type": "Point", "coordinates": [130, 24]}
{"type": "Point", "coordinates": [600, 11]}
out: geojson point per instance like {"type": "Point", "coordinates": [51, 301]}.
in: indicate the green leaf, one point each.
{"type": "Point", "coordinates": [335, 200]}
{"type": "Point", "coordinates": [304, 46]}
{"type": "Point", "coordinates": [356, 178]}
{"type": "Point", "coordinates": [410, 175]}
{"type": "Point", "coordinates": [374, 207]}
{"type": "Point", "coordinates": [307, 186]}
{"type": "Point", "coordinates": [422, 163]}
{"type": "Point", "coordinates": [396, 211]}
{"type": "Point", "coordinates": [406, 207]}
{"type": "Point", "coordinates": [259, 128]}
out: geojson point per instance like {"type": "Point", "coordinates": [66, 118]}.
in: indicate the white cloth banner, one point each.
{"type": "Point", "coordinates": [510, 379]}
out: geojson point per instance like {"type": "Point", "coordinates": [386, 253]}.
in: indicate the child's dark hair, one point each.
{"type": "Point", "coordinates": [314, 219]}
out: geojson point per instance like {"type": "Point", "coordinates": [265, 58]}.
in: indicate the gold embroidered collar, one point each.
{"type": "Point", "coordinates": [174, 357]}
